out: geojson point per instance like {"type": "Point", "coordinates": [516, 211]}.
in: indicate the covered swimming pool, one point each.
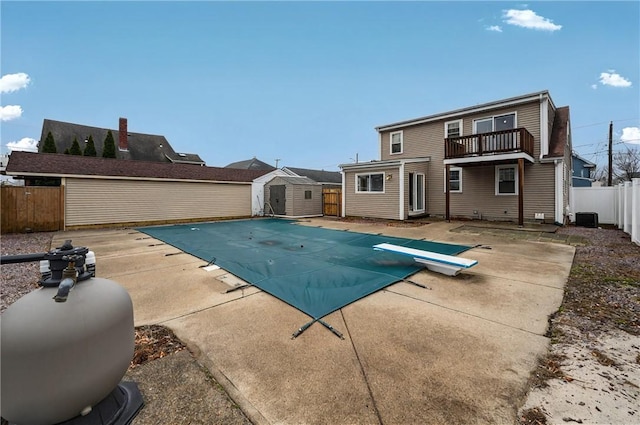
{"type": "Point", "coordinates": [313, 269]}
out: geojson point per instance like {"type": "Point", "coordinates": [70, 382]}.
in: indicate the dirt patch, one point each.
{"type": "Point", "coordinates": [154, 342]}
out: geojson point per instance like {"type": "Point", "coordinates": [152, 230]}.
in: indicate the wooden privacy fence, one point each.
{"type": "Point", "coordinates": [32, 209]}
{"type": "Point", "coordinates": [332, 202]}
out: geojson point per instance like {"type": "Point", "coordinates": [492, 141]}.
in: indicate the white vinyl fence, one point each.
{"type": "Point", "coordinates": [619, 205]}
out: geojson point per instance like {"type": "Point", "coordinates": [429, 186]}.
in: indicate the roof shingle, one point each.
{"type": "Point", "coordinates": [60, 165]}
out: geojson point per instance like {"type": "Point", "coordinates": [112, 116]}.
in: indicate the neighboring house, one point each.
{"type": "Point", "coordinates": [251, 164]}
{"type": "Point", "coordinates": [293, 196]}
{"type": "Point", "coordinates": [328, 179]}
{"type": "Point", "coordinates": [6, 180]}
{"type": "Point", "coordinates": [106, 191]}
{"type": "Point", "coordinates": [135, 146]}
{"type": "Point", "coordinates": [504, 160]}
{"type": "Point", "coordinates": [582, 171]}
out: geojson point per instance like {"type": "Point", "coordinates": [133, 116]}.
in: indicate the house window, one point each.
{"type": "Point", "coordinates": [455, 179]}
{"type": "Point", "coordinates": [453, 128]}
{"type": "Point", "coordinates": [370, 182]}
{"type": "Point", "coordinates": [506, 180]}
{"type": "Point", "coordinates": [396, 142]}
{"type": "Point", "coordinates": [307, 194]}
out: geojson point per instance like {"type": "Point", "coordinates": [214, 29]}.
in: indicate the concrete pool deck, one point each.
{"type": "Point", "coordinates": [459, 351]}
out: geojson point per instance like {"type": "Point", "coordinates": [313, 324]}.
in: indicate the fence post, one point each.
{"type": "Point", "coordinates": [635, 211]}
{"type": "Point", "coordinates": [627, 207]}
{"type": "Point", "coordinates": [620, 206]}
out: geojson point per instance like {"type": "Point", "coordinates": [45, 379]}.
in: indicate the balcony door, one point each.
{"type": "Point", "coordinates": [497, 123]}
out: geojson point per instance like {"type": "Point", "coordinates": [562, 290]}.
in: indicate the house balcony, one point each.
{"type": "Point", "coordinates": [493, 146]}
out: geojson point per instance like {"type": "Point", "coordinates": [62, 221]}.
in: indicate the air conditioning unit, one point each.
{"type": "Point", "coordinates": [587, 219]}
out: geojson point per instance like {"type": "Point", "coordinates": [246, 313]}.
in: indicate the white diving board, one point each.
{"type": "Point", "coordinates": [440, 263]}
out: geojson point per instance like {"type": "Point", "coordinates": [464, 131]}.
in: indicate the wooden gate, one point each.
{"type": "Point", "coordinates": [32, 209]}
{"type": "Point", "coordinates": [332, 202]}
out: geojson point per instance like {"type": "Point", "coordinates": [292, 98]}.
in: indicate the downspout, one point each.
{"type": "Point", "coordinates": [401, 183]}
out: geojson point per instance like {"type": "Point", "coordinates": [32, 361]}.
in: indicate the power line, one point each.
{"type": "Point", "coordinates": [603, 122]}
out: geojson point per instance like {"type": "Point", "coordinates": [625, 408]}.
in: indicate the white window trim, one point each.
{"type": "Point", "coordinates": [492, 118]}
{"type": "Point", "coordinates": [391, 152]}
{"type": "Point", "coordinates": [445, 179]}
{"type": "Point", "coordinates": [515, 174]}
{"type": "Point", "coordinates": [370, 174]}
{"type": "Point", "coordinates": [446, 127]}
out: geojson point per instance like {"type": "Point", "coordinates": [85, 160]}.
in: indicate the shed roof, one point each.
{"type": "Point", "coordinates": [60, 165]}
{"type": "Point", "coordinates": [295, 180]}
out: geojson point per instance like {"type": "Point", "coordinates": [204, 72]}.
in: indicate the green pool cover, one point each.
{"type": "Point", "coordinates": [315, 270]}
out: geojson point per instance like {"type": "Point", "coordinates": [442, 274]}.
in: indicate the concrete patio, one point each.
{"type": "Point", "coordinates": [459, 351]}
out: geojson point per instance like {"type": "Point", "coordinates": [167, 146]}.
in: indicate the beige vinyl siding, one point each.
{"type": "Point", "coordinates": [98, 201]}
{"type": "Point", "coordinates": [373, 204]}
{"type": "Point", "coordinates": [478, 194]}
{"type": "Point", "coordinates": [427, 140]}
{"type": "Point", "coordinates": [306, 207]}
{"type": "Point", "coordinates": [295, 203]}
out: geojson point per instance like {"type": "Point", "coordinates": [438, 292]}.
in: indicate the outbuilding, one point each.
{"type": "Point", "coordinates": [293, 197]}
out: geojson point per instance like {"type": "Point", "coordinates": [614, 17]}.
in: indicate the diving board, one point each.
{"type": "Point", "coordinates": [440, 263]}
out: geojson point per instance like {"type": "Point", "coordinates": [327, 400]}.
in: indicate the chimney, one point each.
{"type": "Point", "coordinates": [123, 142]}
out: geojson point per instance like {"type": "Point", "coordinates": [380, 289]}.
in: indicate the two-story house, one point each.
{"type": "Point", "coordinates": [505, 160]}
{"type": "Point", "coordinates": [583, 170]}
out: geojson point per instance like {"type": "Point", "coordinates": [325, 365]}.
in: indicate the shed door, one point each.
{"type": "Point", "coordinates": [277, 199]}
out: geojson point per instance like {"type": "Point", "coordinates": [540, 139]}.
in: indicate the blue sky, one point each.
{"type": "Point", "coordinates": [307, 82]}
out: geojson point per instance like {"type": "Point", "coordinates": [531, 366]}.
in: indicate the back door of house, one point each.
{"type": "Point", "coordinates": [277, 199]}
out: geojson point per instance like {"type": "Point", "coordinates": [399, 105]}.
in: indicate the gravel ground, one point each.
{"type": "Point", "coordinates": [22, 278]}
{"type": "Point", "coordinates": [591, 374]}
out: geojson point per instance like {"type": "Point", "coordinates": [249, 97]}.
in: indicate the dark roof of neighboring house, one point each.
{"type": "Point", "coordinates": [141, 147]}
{"type": "Point", "coordinates": [320, 176]}
{"type": "Point", "coordinates": [60, 165]}
{"type": "Point", "coordinates": [251, 164]}
{"type": "Point", "coordinates": [559, 133]}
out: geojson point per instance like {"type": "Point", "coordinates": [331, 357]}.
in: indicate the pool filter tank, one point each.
{"type": "Point", "coordinates": [66, 346]}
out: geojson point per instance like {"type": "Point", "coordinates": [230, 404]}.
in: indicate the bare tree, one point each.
{"type": "Point", "coordinates": [626, 164]}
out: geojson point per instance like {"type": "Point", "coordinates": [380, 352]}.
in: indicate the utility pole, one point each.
{"type": "Point", "coordinates": [277, 160]}
{"type": "Point", "coordinates": [610, 180]}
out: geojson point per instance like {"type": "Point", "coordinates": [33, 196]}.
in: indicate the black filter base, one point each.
{"type": "Point", "coordinates": [118, 408]}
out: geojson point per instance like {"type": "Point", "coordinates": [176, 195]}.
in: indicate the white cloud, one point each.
{"type": "Point", "coordinates": [529, 19]}
{"type": "Point", "coordinates": [25, 144]}
{"type": "Point", "coordinates": [631, 135]}
{"type": "Point", "coordinates": [613, 79]}
{"type": "Point", "coordinates": [594, 86]}
{"type": "Point", "coordinates": [10, 112]}
{"type": "Point", "coordinates": [14, 82]}
{"type": "Point", "coordinates": [495, 28]}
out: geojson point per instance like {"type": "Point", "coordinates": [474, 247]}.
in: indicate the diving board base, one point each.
{"type": "Point", "coordinates": [445, 269]}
